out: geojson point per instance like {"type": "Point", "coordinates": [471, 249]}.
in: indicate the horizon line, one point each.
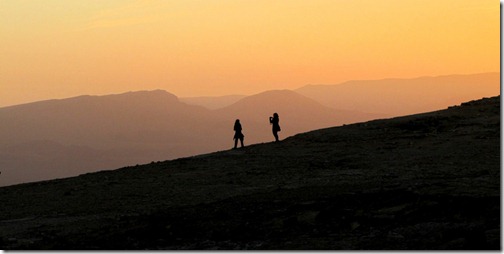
{"type": "Point", "coordinates": [238, 94]}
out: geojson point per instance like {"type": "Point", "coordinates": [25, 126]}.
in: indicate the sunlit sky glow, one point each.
{"type": "Point", "coordinates": [59, 48]}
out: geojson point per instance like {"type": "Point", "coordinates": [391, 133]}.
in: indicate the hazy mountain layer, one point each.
{"type": "Point", "coordinates": [61, 138]}
{"type": "Point", "coordinates": [398, 97]}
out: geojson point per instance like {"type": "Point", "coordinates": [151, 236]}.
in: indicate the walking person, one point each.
{"type": "Point", "coordinates": [276, 127]}
{"type": "Point", "coordinates": [238, 133]}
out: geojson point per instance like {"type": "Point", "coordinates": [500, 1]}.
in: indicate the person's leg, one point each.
{"type": "Point", "coordinates": [276, 135]}
{"type": "Point", "coordinates": [236, 142]}
{"type": "Point", "coordinates": [241, 140]}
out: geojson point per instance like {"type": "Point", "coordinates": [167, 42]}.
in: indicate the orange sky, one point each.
{"type": "Point", "coordinates": [59, 48]}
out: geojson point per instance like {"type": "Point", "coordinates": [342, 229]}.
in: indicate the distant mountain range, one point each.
{"type": "Point", "coordinates": [107, 131]}
{"type": "Point", "coordinates": [398, 97]}
{"type": "Point", "coordinates": [392, 97]}
{"type": "Point", "coordinates": [61, 138]}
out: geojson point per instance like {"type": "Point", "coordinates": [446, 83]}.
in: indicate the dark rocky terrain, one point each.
{"type": "Point", "coordinates": [420, 182]}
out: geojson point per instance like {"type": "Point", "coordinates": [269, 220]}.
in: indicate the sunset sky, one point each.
{"type": "Point", "coordinates": [59, 48]}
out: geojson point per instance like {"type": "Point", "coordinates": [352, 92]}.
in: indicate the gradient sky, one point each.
{"type": "Point", "coordinates": [60, 48]}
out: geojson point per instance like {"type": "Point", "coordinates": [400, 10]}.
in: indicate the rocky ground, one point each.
{"type": "Point", "coordinates": [421, 182]}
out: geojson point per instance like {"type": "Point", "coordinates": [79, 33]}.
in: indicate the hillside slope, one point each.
{"type": "Point", "coordinates": [428, 181]}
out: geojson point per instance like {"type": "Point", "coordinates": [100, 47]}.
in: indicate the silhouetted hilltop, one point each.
{"type": "Point", "coordinates": [428, 181]}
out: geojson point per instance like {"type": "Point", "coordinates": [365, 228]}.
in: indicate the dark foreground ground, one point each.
{"type": "Point", "coordinates": [422, 182]}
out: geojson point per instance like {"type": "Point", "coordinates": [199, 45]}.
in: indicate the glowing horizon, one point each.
{"type": "Point", "coordinates": [56, 49]}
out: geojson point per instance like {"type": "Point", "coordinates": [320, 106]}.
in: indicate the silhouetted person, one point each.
{"type": "Point", "coordinates": [276, 127]}
{"type": "Point", "coordinates": [238, 133]}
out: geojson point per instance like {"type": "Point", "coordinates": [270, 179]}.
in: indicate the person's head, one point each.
{"type": "Point", "coordinates": [275, 115]}
{"type": "Point", "coordinates": [237, 121]}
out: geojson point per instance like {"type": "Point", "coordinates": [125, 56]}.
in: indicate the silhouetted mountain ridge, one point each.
{"type": "Point", "coordinates": [96, 119]}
